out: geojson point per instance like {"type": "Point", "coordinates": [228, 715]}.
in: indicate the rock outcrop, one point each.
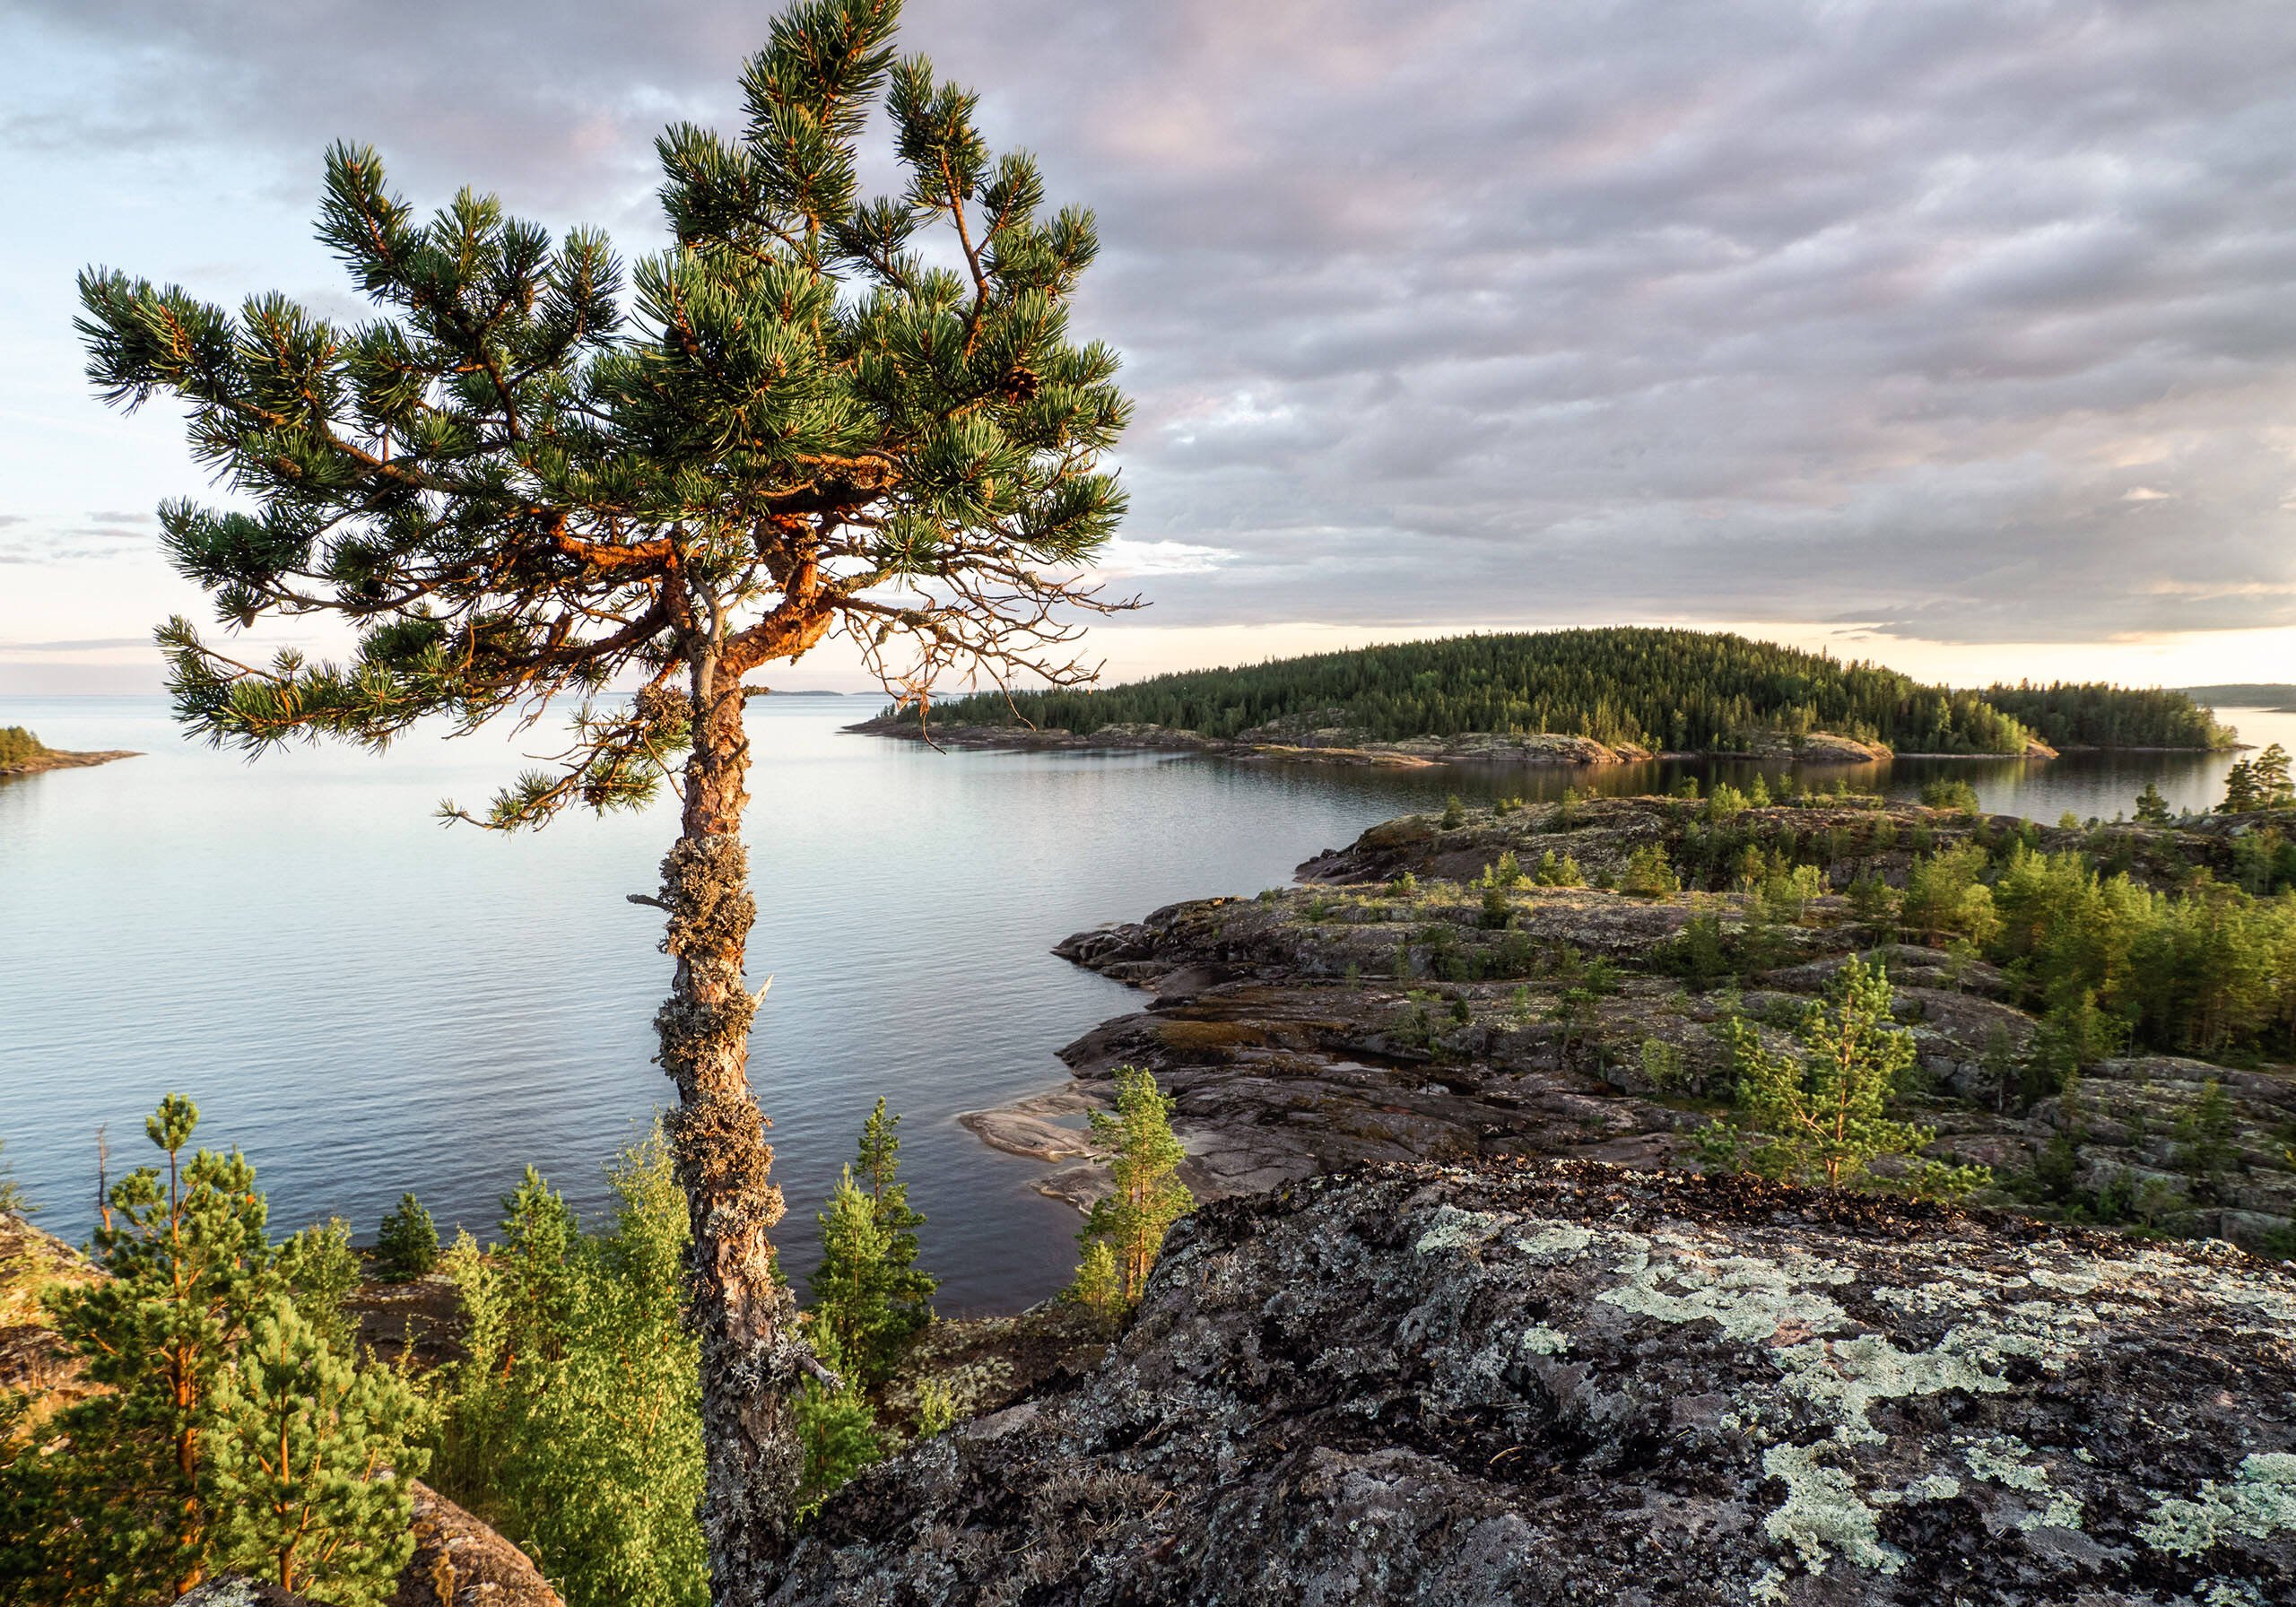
{"type": "Point", "coordinates": [1381, 1013]}
{"type": "Point", "coordinates": [460, 1562]}
{"type": "Point", "coordinates": [1566, 1382]}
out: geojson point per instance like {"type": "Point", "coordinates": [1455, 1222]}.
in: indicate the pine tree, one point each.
{"type": "Point", "coordinates": [837, 1426]}
{"type": "Point", "coordinates": [321, 1271]}
{"type": "Point", "coordinates": [1821, 1114]}
{"type": "Point", "coordinates": [1144, 1164]}
{"type": "Point", "coordinates": [407, 1244]}
{"type": "Point", "coordinates": [126, 1499]}
{"type": "Point", "coordinates": [878, 1165]}
{"type": "Point", "coordinates": [202, 1358]}
{"type": "Point", "coordinates": [1099, 1287]}
{"type": "Point", "coordinates": [2151, 808]}
{"type": "Point", "coordinates": [821, 414]}
{"type": "Point", "coordinates": [311, 1463]}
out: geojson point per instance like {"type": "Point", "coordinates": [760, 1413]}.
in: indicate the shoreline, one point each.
{"type": "Point", "coordinates": [1536, 750]}
{"type": "Point", "coordinates": [58, 758]}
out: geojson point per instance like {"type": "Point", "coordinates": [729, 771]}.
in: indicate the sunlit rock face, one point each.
{"type": "Point", "coordinates": [1563, 1382]}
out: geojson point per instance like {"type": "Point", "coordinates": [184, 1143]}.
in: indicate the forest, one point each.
{"type": "Point", "coordinates": [2095, 714]}
{"type": "Point", "coordinates": [1661, 689]}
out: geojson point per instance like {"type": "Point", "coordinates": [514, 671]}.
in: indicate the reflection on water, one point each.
{"type": "Point", "coordinates": [369, 1003]}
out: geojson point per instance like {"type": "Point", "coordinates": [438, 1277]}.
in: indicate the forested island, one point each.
{"type": "Point", "coordinates": [23, 754]}
{"type": "Point", "coordinates": [2278, 696]}
{"type": "Point", "coordinates": [1577, 696]}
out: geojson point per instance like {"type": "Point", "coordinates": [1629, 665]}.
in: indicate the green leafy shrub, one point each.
{"type": "Point", "coordinates": [1944, 792]}
{"type": "Point", "coordinates": [1649, 874]}
{"type": "Point", "coordinates": [1555, 872]}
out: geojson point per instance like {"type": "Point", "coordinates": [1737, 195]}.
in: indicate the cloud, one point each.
{"type": "Point", "coordinates": [1439, 311]}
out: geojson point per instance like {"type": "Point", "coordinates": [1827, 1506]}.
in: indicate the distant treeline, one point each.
{"type": "Point", "coordinates": [1684, 689]}
{"type": "Point", "coordinates": [2278, 695]}
{"type": "Point", "coordinates": [17, 744]}
{"type": "Point", "coordinates": [2097, 714]}
{"type": "Point", "coordinates": [1681, 689]}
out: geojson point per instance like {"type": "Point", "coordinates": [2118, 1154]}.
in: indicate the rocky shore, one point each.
{"type": "Point", "coordinates": [1373, 1013]}
{"type": "Point", "coordinates": [56, 759]}
{"type": "Point", "coordinates": [1306, 739]}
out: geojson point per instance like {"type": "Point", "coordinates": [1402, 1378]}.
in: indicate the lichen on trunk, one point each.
{"type": "Point", "coordinates": [751, 1349]}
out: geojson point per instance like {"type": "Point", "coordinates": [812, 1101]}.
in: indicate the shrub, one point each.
{"type": "Point", "coordinates": [1455, 813]}
{"type": "Point", "coordinates": [1558, 873]}
{"type": "Point", "coordinates": [1945, 899]}
{"type": "Point", "coordinates": [406, 1246]}
{"type": "Point", "coordinates": [1649, 874]}
{"type": "Point", "coordinates": [573, 1422]}
{"type": "Point", "coordinates": [1949, 793]}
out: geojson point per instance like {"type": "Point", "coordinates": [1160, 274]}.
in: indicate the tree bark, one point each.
{"type": "Point", "coordinates": [750, 1348]}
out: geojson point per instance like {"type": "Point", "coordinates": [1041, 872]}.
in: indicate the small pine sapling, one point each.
{"type": "Point", "coordinates": [406, 1247]}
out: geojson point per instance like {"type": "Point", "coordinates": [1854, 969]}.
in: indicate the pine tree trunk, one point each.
{"type": "Point", "coordinates": [746, 1320]}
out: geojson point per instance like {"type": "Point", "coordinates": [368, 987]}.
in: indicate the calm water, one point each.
{"type": "Point", "coordinates": [367, 1002]}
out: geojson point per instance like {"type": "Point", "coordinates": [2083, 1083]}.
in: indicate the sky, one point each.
{"type": "Point", "coordinates": [1953, 333]}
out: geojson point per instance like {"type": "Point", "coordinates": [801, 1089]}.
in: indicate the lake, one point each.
{"type": "Point", "coordinates": [367, 1002]}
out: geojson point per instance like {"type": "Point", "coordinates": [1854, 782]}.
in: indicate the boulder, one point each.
{"type": "Point", "coordinates": [460, 1562]}
{"type": "Point", "coordinates": [1562, 1381]}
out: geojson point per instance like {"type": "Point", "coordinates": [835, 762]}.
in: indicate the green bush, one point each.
{"type": "Point", "coordinates": [406, 1246]}
{"type": "Point", "coordinates": [1649, 874]}
{"type": "Point", "coordinates": [573, 1422]}
{"type": "Point", "coordinates": [1948, 793]}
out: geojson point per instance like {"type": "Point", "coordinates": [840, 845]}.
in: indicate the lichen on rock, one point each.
{"type": "Point", "coordinates": [1552, 1382]}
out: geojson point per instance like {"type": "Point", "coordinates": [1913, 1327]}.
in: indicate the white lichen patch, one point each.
{"type": "Point", "coordinates": [1934, 1487]}
{"type": "Point", "coordinates": [1452, 1229]}
{"type": "Point", "coordinates": [1554, 1240]}
{"type": "Point", "coordinates": [1750, 1298]}
{"type": "Point", "coordinates": [1544, 1341]}
{"type": "Point", "coordinates": [2259, 1503]}
{"type": "Point", "coordinates": [1782, 1306]}
{"type": "Point", "coordinates": [1824, 1517]}
{"type": "Point", "coordinates": [1845, 1376]}
{"type": "Point", "coordinates": [2078, 1281]}
{"type": "Point", "coordinates": [2002, 1460]}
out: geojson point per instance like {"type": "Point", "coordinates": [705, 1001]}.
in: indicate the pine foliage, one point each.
{"type": "Point", "coordinates": [573, 1424]}
{"type": "Point", "coordinates": [406, 1246]}
{"type": "Point", "coordinates": [819, 410]}
{"type": "Point", "coordinates": [1144, 1164]}
{"type": "Point", "coordinates": [1821, 1114]}
{"type": "Point", "coordinates": [309, 1467]}
{"type": "Point", "coordinates": [17, 744]}
{"type": "Point", "coordinates": [206, 1365]}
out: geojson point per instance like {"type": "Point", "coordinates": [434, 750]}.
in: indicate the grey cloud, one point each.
{"type": "Point", "coordinates": [1593, 309]}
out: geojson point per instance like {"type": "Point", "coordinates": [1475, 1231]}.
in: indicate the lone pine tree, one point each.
{"type": "Point", "coordinates": [515, 494]}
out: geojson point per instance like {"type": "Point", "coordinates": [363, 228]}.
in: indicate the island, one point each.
{"type": "Point", "coordinates": [1590, 697]}
{"type": "Point", "coordinates": [23, 754]}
